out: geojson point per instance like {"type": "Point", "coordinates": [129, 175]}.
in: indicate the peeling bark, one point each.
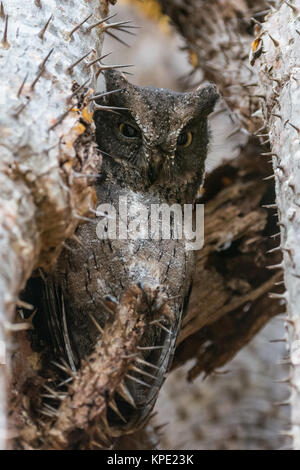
{"type": "Point", "coordinates": [229, 302]}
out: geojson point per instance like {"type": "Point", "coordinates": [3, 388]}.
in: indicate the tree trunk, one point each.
{"type": "Point", "coordinates": [44, 144]}
{"type": "Point", "coordinates": [279, 78]}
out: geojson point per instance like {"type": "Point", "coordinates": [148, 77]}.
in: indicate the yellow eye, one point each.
{"type": "Point", "coordinates": [185, 139]}
{"type": "Point", "coordinates": [128, 131]}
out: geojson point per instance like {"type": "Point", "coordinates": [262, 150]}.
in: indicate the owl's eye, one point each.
{"type": "Point", "coordinates": [185, 139]}
{"type": "Point", "coordinates": [128, 131]}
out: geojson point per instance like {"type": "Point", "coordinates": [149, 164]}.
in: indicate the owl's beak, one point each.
{"type": "Point", "coordinates": [155, 169]}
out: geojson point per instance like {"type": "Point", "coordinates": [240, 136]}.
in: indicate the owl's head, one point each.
{"type": "Point", "coordinates": [160, 133]}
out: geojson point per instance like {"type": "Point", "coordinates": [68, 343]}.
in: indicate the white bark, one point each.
{"type": "Point", "coordinates": [40, 194]}
{"type": "Point", "coordinates": [279, 73]}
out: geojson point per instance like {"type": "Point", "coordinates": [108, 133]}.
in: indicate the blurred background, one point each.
{"type": "Point", "coordinates": [239, 407]}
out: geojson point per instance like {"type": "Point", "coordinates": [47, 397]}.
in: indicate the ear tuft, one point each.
{"type": "Point", "coordinates": [207, 95]}
{"type": "Point", "coordinates": [115, 80]}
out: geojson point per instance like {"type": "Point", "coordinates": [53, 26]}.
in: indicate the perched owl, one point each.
{"type": "Point", "coordinates": [153, 144]}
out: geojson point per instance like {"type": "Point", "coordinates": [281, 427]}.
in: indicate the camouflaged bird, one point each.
{"type": "Point", "coordinates": [114, 306]}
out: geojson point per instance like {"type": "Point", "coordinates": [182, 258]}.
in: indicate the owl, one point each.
{"type": "Point", "coordinates": [153, 144]}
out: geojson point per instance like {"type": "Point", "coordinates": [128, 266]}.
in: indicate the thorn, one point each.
{"type": "Point", "coordinates": [134, 379]}
{"type": "Point", "coordinates": [66, 337]}
{"type": "Point", "coordinates": [104, 438]}
{"type": "Point", "coordinates": [117, 39]}
{"type": "Point", "coordinates": [106, 307]}
{"type": "Point", "coordinates": [276, 43]}
{"type": "Point", "coordinates": [96, 60]}
{"type": "Point", "coordinates": [282, 403]}
{"type": "Point", "coordinates": [4, 42]}
{"type": "Point", "coordinates": [271, 154]}
{"type": "Point", "coordinates": [2, 12]}
{"type": "Point", "coordinates": [98, 445]}
{"type": "Point", "coordinates": [64, 382]}
{"type": "Point", "coordinates": [284, 362]}
{"type": "Point", "coordinates": [278, 340]}
{"type": "Point", "coordinates": [51, 409]}
{"type": "Point", "coordinates": [96, 323]}
{"type": "Point", "coordinates": [273, 250]}
{"type": "Point", "coordinates": [42, 32]}
{"type": "Point", "coordinates": [276, 115]}
{"type": "Point", "coordinates": [38, 3]}
{"type": "Point", "coordinates": [101, 95]}
{"type": "Point", "coordinates": [291, 322]}
{"type": "Point", "coordinates": [100, 22]}
{"type": "Point", "coordinates": [47, 413]}
{"type": "Point", "coordinates": [275, 266]}
{"type": "Point", "coordinates": [247, 85]}
{"type": "Point", "coordinates": [111, 67]}
{"type": "Point", "coordinates": [274, 295]}
{"type": "Point", "coordinates": [142, 372]}
{"type": "Point", "coordinates": [269, 177]}
{"type": "Point", "coordinates": [51, 397]}
{"type": "Point", "coordinates": [85, 219]}
{"type": "Point", "coordinates": [60, 119]}
{"type": "Point", "coordinates": [78, 90]}
{"type": "Point", "coordinates": [76, 239]}
{"type": "Point", "coordinates": [295, 10]}
{"type": "Point", "coordinates": [275, 235]}
{"type": "Point", "coordinates": [256, 21]}
{"type": "Point", "coordinates": [125, 394]}
{"type": "Point", "coordinates": [146, 363]}
{"type": "Point", "coordinates": [294, 127]}
{"type": "Point", "coordinates": [270, 206]}
{"type": "Point", "coordinates": [64, 367]}
{"type": "Point", "coordinates": [21, 303]}
{"type": "Point", "coordinates": [109, 108]}
{"type": "Point", "coordinates": [80, 24]}
{"type": "Point", "coordinates": [157, 322]}
{"type": "Point", "coordinates": [41, 70]}
{"type": "Point", "coordinates": [15, 327]}
{"type": "Point", "coordinates": [286, 433]}
{"type": "Point", "coordinates": [22, 86]}
{"type": "Point", "coordinates": [53, 393]}
{"type": "Point", "coordinates": [149, 348]}
{"type": "Point", "coordinates": [70, 68]}
{"type": "Point", "coordinates": [127, 31]}
{"type": "Point", "coordinates": [117, 25]}
{"type": "Point", "coordinates": [105, 153]}
{"type": "Point", "coordinates": [42, 65]}
{"type": "Point", "coordinates": [112, 404]}
{"type": "Point", "coordinates": [283, 381]}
